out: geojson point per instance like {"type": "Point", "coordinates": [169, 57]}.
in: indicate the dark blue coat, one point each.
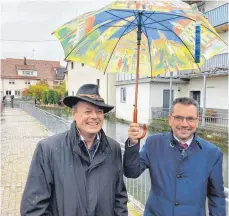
{"type": "Point", "coordinates": [180, 181]}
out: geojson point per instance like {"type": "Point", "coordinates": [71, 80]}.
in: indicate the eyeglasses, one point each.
{"type": "Point", "coordinates": [180, 119]}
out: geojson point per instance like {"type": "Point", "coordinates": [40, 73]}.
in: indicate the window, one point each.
{"type": "Point", "coordinates": [27, 73]}
{"type": "Point", "coordinates": [202, 8]}
{"type": "Point", "coordinates": [123, 95]}
{"type": "Point", "coordinates": [195, 95]}
{"type": "Point", "coordinates": [11, 81]}
{"type": "Point", "coordinates": [98, 82]}
{"type": "Point", "coordinates": [72, 65]}
{"type": "Point", "coordinates": [17, 92]}
{"type": "Point", "coordinates": [8, 92]}
{"type": "Point", "coordinates": [27, 82]}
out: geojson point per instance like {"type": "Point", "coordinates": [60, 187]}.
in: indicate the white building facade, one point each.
{"type": "Point", "coordinates": [15, 86]}
{"type": "Point", "coordinates": [79, 74]}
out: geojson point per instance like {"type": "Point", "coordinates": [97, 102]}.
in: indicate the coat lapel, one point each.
{"type": "Point", "coordinates": [103, 151]}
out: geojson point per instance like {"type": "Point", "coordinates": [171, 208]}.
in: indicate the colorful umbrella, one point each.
{"type": "Point", "coordinates": [155, 36]}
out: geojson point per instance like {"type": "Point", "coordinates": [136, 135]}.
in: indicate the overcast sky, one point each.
{"type": "Point", "coordinates": [23, 21]}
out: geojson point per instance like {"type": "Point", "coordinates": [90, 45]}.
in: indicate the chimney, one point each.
{"type": "Point", "coordinates": [25, 61]}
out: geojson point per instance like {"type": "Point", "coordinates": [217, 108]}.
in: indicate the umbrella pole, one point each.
{"type": "Point", "coordinates": [135, 120]}
{"type": "Point", "coordinates": [139, 35]}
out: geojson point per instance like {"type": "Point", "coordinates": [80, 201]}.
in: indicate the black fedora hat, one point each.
{"type": "Point", "coordinates": [88, 93]}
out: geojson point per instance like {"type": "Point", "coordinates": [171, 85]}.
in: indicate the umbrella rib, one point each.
{"type": "Point", "coordinates": [87, 36]}
{"type": "Point", "coordinates": [172, 18]}
{"type": "Point", "coordinates": [161, 21]}
{"type": "Point", "coordinates": [180, 40]}
{"type": "Point", "coordinates": [150, 12]}
{"type": "Point", "coordinates": [135, 16]}
{"type": "Point", "coordinates": [157, 29]}
{"type": "Point", "coordinates": [118, 26]}
{"type": "Point", "coordinates": [170, 14]}
{"type": "Point", "coordinates": [148, 45]}
{"type": "Point", "coordinates": [120, 17]}
{"type": "Point", "coordinates": [185, 18]}
{"type": "Point", "coordinates": [188, 19]}
{"type": "Point", "coordinates": [123, 34]}
{"type": "Point", "coordinates": [145, 13]}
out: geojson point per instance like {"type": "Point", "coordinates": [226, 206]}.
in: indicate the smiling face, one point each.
{"type": "Point", "coordinates": [184, 121]}
{"type": "Point", "coordinates": [89, 118]}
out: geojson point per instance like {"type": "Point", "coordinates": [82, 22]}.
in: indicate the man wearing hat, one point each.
{"type": "Point", "coordinates": [78, 172]}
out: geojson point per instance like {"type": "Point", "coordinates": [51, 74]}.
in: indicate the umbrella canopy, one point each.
{"type": "Point", "coordinates": [107, 39]}
{"type": "Point", "coordinates": [145, 37]}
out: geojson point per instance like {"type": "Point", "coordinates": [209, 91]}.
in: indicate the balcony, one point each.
{"type": "Point", "coordinates": [218, 17]}
{"type": "Point", "coordinates": [218, 63]}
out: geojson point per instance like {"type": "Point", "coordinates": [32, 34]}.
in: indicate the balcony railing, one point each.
{"type": "Point", "coordinates": [218, 16]}
{"type": "Point", "coordinates": [219, 121]}
{"type": "Point", "coordinates": [216, 63]}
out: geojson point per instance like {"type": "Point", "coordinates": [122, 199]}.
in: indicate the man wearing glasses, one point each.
{"type": "Point", "coordinates": [184, 168]}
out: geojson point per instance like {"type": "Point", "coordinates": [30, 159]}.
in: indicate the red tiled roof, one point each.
{"type": "Point", "coordinates": [45, 69]}
{"type": "Point", "coordinates": [25, 67]}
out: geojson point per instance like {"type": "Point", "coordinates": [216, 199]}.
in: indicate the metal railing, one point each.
{"type": "Point", "coordinates": [218, 63]}
{"type": "Point", "coordinates": [53, 123]}
{"type": "Point", "coordinates": [218, 16]}
{"type": "Point", "coordinates": [138, 189]}
{"type": "Point", "coordinates": [218, 121]}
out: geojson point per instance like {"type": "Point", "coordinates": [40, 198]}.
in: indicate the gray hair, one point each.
{"type": "Point", "coordinates": [184, 101]}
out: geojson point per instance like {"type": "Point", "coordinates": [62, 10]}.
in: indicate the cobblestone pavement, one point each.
{"type": "Point", "coordinates": [20, 134]}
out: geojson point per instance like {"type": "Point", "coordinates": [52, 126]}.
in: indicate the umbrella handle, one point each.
{"type": "Point", "coordinates": [144, 129]}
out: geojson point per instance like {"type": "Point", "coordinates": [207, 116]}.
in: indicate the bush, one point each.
{"type": "Point", "coordinates": [160, 125]}
{"type": "Point", "coordinates": [35, 91]}
{"type": "Point", "coordinates": [57, 97]}
{"type": "Point", "coordinates": [50, 97]}
{"type": "Point", "coordinates": [44, 97]}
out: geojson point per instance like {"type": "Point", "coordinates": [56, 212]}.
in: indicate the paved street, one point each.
{"type": "Point", "coordinates": [19, 135]}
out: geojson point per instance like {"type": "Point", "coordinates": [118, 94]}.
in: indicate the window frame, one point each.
{"type": "Point", "coordinates": [123, 95]}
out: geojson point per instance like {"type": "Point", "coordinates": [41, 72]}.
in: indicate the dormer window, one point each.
{"type": "Point", "coordinates": [27, 73]}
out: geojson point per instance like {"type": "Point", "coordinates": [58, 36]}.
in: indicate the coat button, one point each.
{"type": "Point", "coordinates": [179, 176]}
{"type": "Point", "coordinates": [177, 204]}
